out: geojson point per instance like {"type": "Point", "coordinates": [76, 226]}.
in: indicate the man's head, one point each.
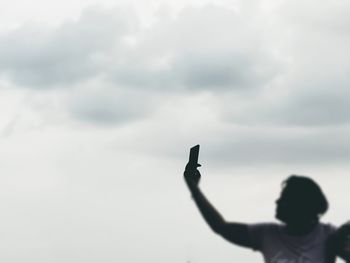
{"type": "Point", "coordinates": [301, 202]}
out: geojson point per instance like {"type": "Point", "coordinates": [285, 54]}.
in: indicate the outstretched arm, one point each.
{"type": "Point", "coordinates": [338, 244]}
{"type": "Point", "coordinates": [342, 241]}
{"type": "Point", "coordinates": [236, 233]}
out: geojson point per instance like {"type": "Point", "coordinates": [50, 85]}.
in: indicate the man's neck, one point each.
{"type": "Point", "coordinates": [300, 229]}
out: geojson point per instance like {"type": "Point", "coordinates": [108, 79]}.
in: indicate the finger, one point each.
{"type": "Point", "coordinates": [187, 173]}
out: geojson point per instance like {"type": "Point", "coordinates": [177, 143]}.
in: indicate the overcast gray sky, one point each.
{"type": "Point", "coordinates": [101, 100]}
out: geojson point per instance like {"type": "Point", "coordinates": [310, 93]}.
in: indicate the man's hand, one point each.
{"type": "Point", "coordinates": [342, 241]}
{"type": "Point", "coordinates": [192, 176]}
{"type": "Point", "coordinates": [344, 236]}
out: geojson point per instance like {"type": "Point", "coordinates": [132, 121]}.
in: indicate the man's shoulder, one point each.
{"type": "Point", "coordinates": [267, 224]}
{"type": "Point", "coordinates": [259, 233]}
{"type": "Point", "coordinates": [328, 228]}
{"type": "Point", "coordinates": [264, 226]}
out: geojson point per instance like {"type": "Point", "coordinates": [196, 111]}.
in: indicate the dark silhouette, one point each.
{"type": "Point", "coordinates": [301, 238]}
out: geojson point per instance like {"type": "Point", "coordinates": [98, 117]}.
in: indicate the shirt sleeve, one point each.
{"type": "Point", "coordinates": [257, 233]}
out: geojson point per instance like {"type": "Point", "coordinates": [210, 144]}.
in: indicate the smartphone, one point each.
{"type": "Point", "coordinates": [193, 160]}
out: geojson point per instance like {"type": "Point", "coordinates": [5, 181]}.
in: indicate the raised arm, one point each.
{"type": "Point", "coordinates": [338, 244]}
{"type": "Point", "coordinates": [236, 233]}
{"type": "Point", "coordinates": [342, 242]}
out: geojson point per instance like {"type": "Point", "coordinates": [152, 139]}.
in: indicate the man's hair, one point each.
{"type": "Point", "coordinates": [306, 194]}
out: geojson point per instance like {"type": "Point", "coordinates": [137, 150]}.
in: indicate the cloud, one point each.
{"type": "Point", "coordinates": [321, 104]}
{"type": "Point", "coordinates": [108, 105]}
{"type": "Point", "coordinates": [281, 146]}
{"type": "Point", "coordinates": [312, 90]}
{"type": "Point", "coordinates": [39, 57]}
{"type": "Point", "coordinates": [326, 17]}
{"type": "Point", "coordinates": [204, 48]}
{"type": "Point", "coordinates": [238, 146]}
{"type": "Point", "coordinates": [319, 107]}
{"type": "Point", "coordinates": [209, 48]}
{"type": "Point", "coordinates": [201, 48]}
{"type": "Point", "coordinates": [256, 79]}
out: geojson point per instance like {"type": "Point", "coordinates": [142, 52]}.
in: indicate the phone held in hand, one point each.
{"type": "Point", "coordinates": [193, 159]}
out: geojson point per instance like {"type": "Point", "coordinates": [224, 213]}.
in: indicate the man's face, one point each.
{"type": "Point", "coordinates": [287, 206]}
{"type": "Point", "coordinates": [280, 206]}
{"type": "Point", "coordinates": [281, 210]}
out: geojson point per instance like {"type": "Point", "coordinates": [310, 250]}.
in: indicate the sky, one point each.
{"type": "Point", "coordinates": [100, 102]}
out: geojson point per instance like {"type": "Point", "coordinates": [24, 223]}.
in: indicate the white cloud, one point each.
{"type": "Point", "coordinates": [225, 52]}
{"type": "Point", "coordinates": [40, 57]}
{"type": "Point", "coordinates": [102, 104]}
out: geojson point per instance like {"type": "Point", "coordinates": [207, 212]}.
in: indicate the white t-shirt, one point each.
{"type": "Point", "coordinates": [278, 247]}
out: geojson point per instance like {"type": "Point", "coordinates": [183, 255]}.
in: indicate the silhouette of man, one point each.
{"type": "Point", "coordinates": [301, 238]}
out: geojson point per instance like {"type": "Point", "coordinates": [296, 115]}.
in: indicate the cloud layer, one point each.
{"type": "Point", "coordinates": [271, 81]}
{"type": "Point", "coordinates": [40, 57]}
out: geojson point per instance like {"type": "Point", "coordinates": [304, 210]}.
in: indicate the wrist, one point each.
{"type": "Point", "coordinates": [194, 191]}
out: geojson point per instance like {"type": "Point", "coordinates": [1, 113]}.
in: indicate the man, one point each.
{"type": "Point", "coordinates": [302, 238]}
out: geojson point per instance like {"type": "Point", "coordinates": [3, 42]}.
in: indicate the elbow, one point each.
{"type": "Point", "coordinates": [218, 227]}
